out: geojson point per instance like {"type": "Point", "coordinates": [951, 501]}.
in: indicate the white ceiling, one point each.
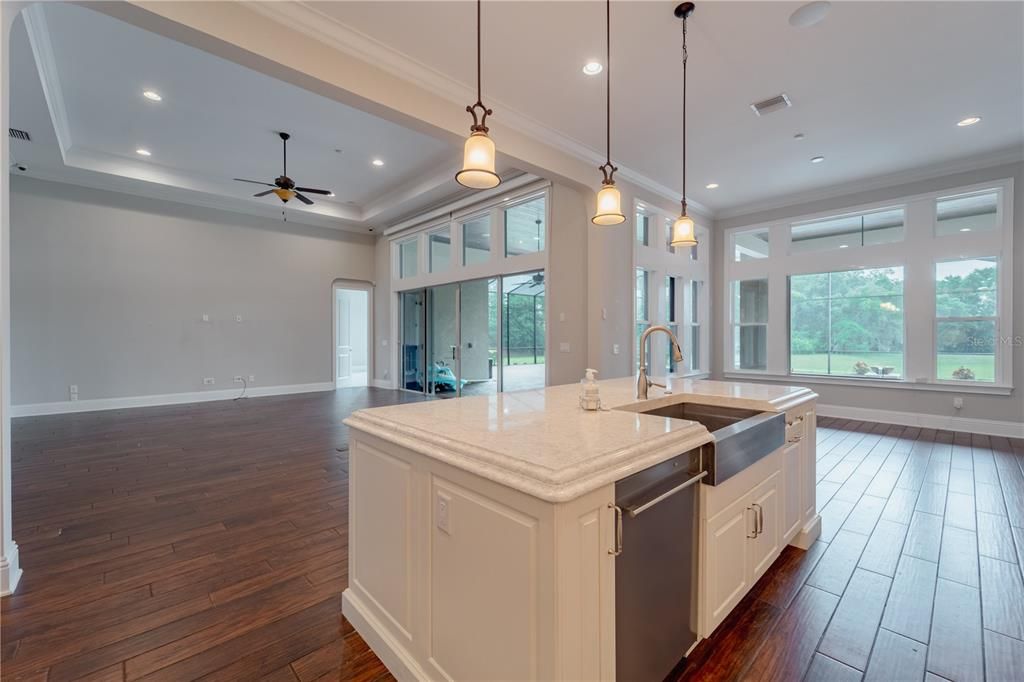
{"type": "Point", "coordinates": [217, 121]}
{"type": "Point", "coordinates": [877, 87]}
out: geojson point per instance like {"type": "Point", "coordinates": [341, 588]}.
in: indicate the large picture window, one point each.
{"type": "Point", "coordinates": [750, 324]}
{"type": "Point", "coordinates": [847, 323]}
{"type": "Point", "coordinates": [966, 319]}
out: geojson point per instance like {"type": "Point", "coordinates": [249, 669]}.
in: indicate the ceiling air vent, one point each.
{"type": "Point", "coordinates": [772, 104]}
{"type": "Point", "coordinates": [20, 134]}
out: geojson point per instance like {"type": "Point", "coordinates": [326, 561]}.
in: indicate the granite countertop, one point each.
{"type": "Point", "coordinates": [541, 443]}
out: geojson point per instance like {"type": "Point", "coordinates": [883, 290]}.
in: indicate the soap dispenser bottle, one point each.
{"type": "Point", "coordinates": [590, 397]}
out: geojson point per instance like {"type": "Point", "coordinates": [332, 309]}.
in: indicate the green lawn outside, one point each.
{"type": "Point", "coordinates": [524, 358]}
{"type": "Point", "coordinates": [983, 366]}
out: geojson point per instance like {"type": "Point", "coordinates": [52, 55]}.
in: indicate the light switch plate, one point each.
{"type": "Point", "coordinates": [564, 347]}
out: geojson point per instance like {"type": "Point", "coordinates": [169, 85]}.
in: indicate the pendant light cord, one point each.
{"type": "Point", "coordinates": [685, 58]}
{"type": "Point", "coordinates": [607, 169]}
{"type": "Point", "coordinates": [608, 78]}
{"type": "Point", "coordinates": [479, 89]}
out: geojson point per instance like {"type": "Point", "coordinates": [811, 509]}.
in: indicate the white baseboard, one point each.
{"type": "Point", "coordinates": [991, 427]}
{"type": "Point", "coordinates": [382, 383]}
{"type": "Point", "coordinates": [67, 406]}
{"type": "Point", "coordinates": [10, 570]}
{"type": "Point", "coordinates": [392, 654]}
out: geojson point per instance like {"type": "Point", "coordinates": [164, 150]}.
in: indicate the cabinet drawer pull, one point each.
{"type": "Point", "coordinates": [796, 439]}
{"type": "Point", "coordinates": [758, 519]}
{"type": "Point", "coordinates": [755, 524]}
{"type": "Point", "coordinates": [618, 530]}
{"type": "Point", "coordinates": [798, 420]}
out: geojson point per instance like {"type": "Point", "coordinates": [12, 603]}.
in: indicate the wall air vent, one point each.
{"type": "Point", "coordinates": [20, 134]}
{"type": "Point", "coordinates": [772, 104]}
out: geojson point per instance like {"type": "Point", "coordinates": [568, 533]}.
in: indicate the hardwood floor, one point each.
{"type": "Point", "coordinates": [210, 541]}
{"type": "Point", "coordinates": [917, 575]}
{"type": "Point", "coordinates": [197, 541]}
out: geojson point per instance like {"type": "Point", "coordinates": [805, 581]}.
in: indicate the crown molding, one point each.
{"type": "Point", "coordinates": [147, 190]}
{"type": "Point", "coordinates": [329, 30]}
{"type": "Point", "coordinates": [1014, 154]}
{"type": "Point", "coordinates": [34, 17]}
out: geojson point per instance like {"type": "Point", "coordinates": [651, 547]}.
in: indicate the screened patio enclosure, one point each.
{"type": "Point", "coordinates": [474, 338]}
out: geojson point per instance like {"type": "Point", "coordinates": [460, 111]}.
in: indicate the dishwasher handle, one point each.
{"type": "Point", "coordinates": [639, 509]}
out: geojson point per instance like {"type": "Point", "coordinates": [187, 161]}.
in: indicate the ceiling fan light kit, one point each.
{"type": "Point", "coordinates": [479, 154]}
{"type": "Point", "coordinates": [283, 186]}
{"type": "Point", "coordinates": [683, 231]}
{"type": "Point", "coordinates": [609, 200]}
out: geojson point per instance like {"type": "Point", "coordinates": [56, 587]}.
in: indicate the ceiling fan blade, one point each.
{"type": "Point", "coordinates": [256, 182]}
{"type": "Point", "coordinates": [310, 190]}
{"type": "Point", "coordinates": [304, 199]}
{"type": "Point", "coordinates": [263, 194]}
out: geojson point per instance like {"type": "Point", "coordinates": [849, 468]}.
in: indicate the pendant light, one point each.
{"type": "Point", "coordinates": [682, 229]}
{"type": "Point", "coordinates": [478, 157]}
{"type": "Point", "coordinates": [609, 201]}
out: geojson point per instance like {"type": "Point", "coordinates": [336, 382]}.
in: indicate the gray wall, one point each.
{"type": "Point", "coordinates": [109, 290]}
{"type": "Point", "coordinates": [976, 406]}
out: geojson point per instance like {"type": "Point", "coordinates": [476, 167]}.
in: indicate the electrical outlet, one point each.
{"type": "Point", "coordinates": [206, 317]}
{"type": "Point", "coordinates": [563, 347]}
{"type": "Point", "coordinates": [444, 505]}
{"type": "Point", "coordinates": [238, 318]}
{"type": "Point", "coordinates": [209, 381]}
{"type": "Point", "coordinates": [958, 403]}
{"type": "Point", "coordinates": [615, 349]}
{"type": "Point", "coordinates": [73, 392]}
{"type": "Point", "coordinates": [252, 378]}
{"type": "Point", "coordinates": [238, 379]}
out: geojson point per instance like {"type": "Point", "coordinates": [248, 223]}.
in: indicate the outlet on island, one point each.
{"type": "Point", "coordinates": [209, 381]}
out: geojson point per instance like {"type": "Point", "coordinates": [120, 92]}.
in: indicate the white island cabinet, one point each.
{"type": "Point", "coordinates": [482, 530]}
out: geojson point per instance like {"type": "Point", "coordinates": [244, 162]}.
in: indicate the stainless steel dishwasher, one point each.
{"type": "Point", "coordinates": [656, 567]}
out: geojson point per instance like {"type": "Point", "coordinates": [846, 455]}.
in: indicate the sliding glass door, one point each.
{"type": "Point", "coordinates": [476, 337]}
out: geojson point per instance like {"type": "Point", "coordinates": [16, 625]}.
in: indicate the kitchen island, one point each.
{"type": "Point", "coordinates": [485, 532]}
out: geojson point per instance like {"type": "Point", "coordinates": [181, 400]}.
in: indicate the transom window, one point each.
{"type": "Point", "coordinates": [977, 212]}
{"type": "Point", "coordinates": [843, 232]}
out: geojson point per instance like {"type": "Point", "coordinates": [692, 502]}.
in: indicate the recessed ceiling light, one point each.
{"type": "Point", "coordinates": [506, 198]}
{"type": "Point", "coordinates": [143, 152]}
{"type": "Point", "coordinates": [844, 246]}
{"type": "Point", "coordinates": [969, 121]}
{"type": "Point", "coordinates": [593, 68]}
{"type": "Point", "coordinates": [799, 136]}
{"type": "Point", "coordinates": [377, 162]}
{"type": "Point", "coordinates": [711, 185]}
{"type": "Point", "coordinates": [330, 194]}
{"type": "Point", "coordinates": [152, 95]}
{"type": "Point", "coordinates": [810, 14]}
{"type": "Point", "coordinates": [817, 159]}
{"type": "Point", "coordinates": [965, 229]}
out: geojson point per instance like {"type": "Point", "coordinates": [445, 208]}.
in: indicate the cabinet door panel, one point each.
{"type": "Point", "coordinates": [808, 454]}
{"type": "Point", "coordinates": [766, 546]}
{"type": "Point", "coordinates": [727, 564]}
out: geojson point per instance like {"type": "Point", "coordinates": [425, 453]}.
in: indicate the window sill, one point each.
{"type": "Point", "coordinates": [990, 389]}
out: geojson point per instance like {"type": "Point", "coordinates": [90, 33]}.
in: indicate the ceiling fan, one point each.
{"type": "Point", "coordinates": [283, 186]}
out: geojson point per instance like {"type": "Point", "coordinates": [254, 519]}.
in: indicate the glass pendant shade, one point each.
{"type": "Point", "coordinates": [284, 194]}
{"type": "Point", "coordinates": [478, 163]}
{"type": "Point", "coordinates": [609, 207]}
{"type": "Point", "coordinates": [683, 232]}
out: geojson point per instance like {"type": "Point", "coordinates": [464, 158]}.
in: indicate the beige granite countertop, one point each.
{"type": "Point", "coordinates": [541, 443]}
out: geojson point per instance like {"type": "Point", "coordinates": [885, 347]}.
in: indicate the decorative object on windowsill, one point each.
{"type": "Point", "coordinates": [963, 374]}
{"type": "Point", "coordinates": [861, 367]}
{"type": "Point", "coordinates": [478, 156]}
{"type": "Point", "coordinates": [683, 233]}
{"type": "Point", "coordinates": [609, 201]}
{"type": "Point", "coordinates": [882, 371]}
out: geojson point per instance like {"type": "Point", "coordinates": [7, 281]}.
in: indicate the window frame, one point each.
{"type": "Point", "coordinates": [735, 324]}
{"type": "Point", "coordinates": [917, 253]}
{"type": "Point", "coordinates": [936, 319]}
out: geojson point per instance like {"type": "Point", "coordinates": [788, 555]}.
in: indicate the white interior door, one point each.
{"type": "Point", "coordinates": [351, 337]}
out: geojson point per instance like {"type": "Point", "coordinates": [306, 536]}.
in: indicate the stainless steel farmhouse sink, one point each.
{"type": "Point", "coordinates": [741, 436]}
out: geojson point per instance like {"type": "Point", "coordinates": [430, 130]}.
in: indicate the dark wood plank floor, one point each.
{"type": "Point", "coordinates": [197, 541]}
{"type": "Point", "coordinates": [917, 575]}
{"type": "Point", "coordinates": [210, 541]}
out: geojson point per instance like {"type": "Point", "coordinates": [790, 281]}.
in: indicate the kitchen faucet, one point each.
{"type": "Point", "coordinates": [642, 381]}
